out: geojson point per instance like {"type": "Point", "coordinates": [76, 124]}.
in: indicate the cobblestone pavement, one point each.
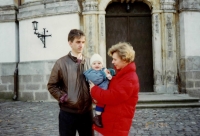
{"type": "Point", "coordinates": [41, 119]}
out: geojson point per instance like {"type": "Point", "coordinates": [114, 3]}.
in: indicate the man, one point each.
{"type": "Point", "coordinates": [68, 86]}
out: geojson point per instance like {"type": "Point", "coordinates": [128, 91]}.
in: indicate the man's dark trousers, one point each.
{"type": "Point", "coordinates": [69, 123]}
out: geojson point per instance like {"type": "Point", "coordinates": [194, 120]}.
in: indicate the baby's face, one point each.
{"type": "Point", "coordinates": [97, 65]}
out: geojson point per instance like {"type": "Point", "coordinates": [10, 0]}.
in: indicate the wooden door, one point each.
{"type": "Point", "coordinates": [133, 26]}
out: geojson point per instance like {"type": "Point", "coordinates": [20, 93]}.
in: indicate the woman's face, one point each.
{"type": "Point", "coordinates": [118, 62]}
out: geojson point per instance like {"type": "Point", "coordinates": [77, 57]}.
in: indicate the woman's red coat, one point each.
{"type": "Point", "coordinates": [120, 100]}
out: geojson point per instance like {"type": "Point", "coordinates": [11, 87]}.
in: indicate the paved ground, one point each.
{"type": "Point", "coordinates": [41, 119]}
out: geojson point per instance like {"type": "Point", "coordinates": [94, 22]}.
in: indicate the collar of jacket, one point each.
{"type": "Point", "coordinates": [130, 67]}
{"type": "Point", "coordinates": [75, 58]}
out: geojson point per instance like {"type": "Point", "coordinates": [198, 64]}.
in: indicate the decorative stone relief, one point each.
{"type": "Point", "coordinates": [170, 77]}
{"type": "Point", "coordinates": [102, 29]}
{"type": "Point", "coordinates": [189, 4]}
{"type": "Point", "coordinates": [169, 37]}
{"type": "Point", "coordinates": [158, 78]}
{"type": "Point", "coordinates": [168, 4]}
{"type": "Point", "coordinates": [90, 37]}
{"type": "Point", "coordinates": [90, 6]}
{"type": "Point", "coordinates": [156, 19]}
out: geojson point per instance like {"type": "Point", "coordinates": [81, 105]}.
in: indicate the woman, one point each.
{"type": "Point", "coordinates": [122, 94]}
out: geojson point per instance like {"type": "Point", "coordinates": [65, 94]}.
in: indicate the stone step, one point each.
{"type": "Point", "coordinates": [169, 105]}
{"type": "Point", "coordinates": [153, 100]}
{"type": "Point", "coordinates": [178, 101]}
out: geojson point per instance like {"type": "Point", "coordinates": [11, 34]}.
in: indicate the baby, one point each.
{"type": "Point", "coordinates": [99, 76]}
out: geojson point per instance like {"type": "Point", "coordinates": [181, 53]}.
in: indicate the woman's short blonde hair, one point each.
{"type": "Point", "coordinates": [124, 50]}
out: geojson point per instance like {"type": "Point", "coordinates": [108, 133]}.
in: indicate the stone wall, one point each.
{"type": "Point", "coordinates": [190, 75]}
{"type": "Point", "coordinates": [33, 79]}
{"type": "Point", "coordinates": [7, 80]}
{"type": "Point", "coordinates": [189, 47]}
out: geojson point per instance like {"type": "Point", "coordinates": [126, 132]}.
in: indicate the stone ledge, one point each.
{"type": "Point", "coordinates": [36, 67]}
{"type": "Point", "coordinates": [8, 14]}
{"type": "Point", "coordinates": [7, 69]}
{"type": "Point", "coordinates": [8, 7]}
{"type": "Point", "coordinates": [189, 5]}
{"type": "Point", "coordinates": [49, 9]}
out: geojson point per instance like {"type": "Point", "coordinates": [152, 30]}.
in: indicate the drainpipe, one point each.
{"type": "Point", "coordinates": [16, 81]}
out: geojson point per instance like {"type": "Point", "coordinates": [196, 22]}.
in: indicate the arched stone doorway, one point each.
{"type": "Point", "coordinates": [163, 37]}
{"type": "Point", "coordinates": [131, 22]}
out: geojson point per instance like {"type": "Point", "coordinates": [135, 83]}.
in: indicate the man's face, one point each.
{"type": "Point", "coordinates": [78, 44]}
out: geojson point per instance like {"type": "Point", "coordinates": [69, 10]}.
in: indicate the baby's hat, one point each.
{"type": "Point", "coordinates": [96, 57]}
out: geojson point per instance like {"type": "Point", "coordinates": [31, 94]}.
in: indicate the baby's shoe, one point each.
{"type": "Point", "coordinates": [97, 120]}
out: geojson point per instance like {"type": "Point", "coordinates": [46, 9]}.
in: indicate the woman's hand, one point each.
{"type": "Point", "coordinates": [91, 85]}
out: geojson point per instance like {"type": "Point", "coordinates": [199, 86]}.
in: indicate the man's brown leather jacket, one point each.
{"type": "Point", "coordinates": [67, 78]}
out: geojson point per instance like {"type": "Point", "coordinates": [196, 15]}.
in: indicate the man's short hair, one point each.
{"type": "Point", "coordinates": [75, 33]}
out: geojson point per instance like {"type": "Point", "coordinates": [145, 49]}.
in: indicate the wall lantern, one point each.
{"type": "Point", "coordinates": [41, 36]}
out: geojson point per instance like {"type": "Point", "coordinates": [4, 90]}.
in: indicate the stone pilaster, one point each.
{"type": "Point", "coordinates": [157, 48]}
{"type": "Point", "coordinates": [169, 46]}
{"type": "Point", "coordinates": [102, 35]}
{"type": "Point", "coordinates": [90, 23]}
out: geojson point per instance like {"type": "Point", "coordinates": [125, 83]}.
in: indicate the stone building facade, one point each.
{"type": "Point", "coordinates": [175, 42]}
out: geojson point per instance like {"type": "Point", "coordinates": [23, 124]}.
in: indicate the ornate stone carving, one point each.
{"type": "Point", "coordinates": [90, 6]}
{"type": "Point", "coordinates": [102, 29]}
{"type": "Point", "coordinates": [156, 19]}
{"type": "Point", "coordinates": [167, 4]}
{"type": "Point", "coordinates": [170, 37]}
{"type": "Point", "coordinates": [158, 78]}
{"type": "Point", "coordinates": [90, 35]}
{"type": "Point", "coordinates": [170, 77]}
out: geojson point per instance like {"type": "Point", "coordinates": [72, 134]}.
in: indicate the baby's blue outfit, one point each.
{"type": "Point", "coordinates": [98, 77]}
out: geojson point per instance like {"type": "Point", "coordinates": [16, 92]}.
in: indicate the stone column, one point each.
{"type": "Point", "coordinates": [169, 46]}
{"type": "Point", "coordinates": [90, 22]}
{"type": "Point", "coordinates": [157, 51]}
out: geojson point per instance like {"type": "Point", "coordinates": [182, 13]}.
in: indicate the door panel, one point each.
{"type": "Point", "coordinates": [140, 38]}
{"type": "Point", "coordinates": [115, 32]}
